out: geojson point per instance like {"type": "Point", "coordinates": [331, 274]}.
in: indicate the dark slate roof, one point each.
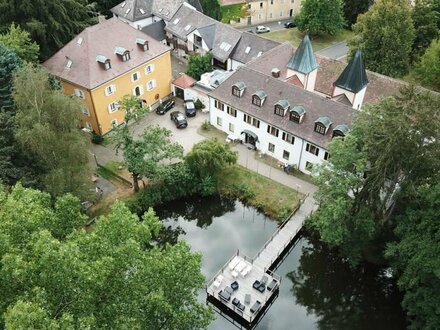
{"type": "Point", "coordinates": [304, 60]}
{"type": "Point", "coordinates": [315, 105]}
{"type": "Point", "coordinates": [186, 16]}
{"type": "Point", "coordinates": [254, 45]}
{"type": "Point", "coordinates": [156, 30]}
{"type": "Point", "coordinates": [208, 33]}
{"type": "Point", "coordinates": [133, 10]}
{"type": "Point", "coordinates": [328, 71]}
{"type": "Point", "coordinates": [225, 40]}
{"type": "Point", "coordinates": [354, 77]}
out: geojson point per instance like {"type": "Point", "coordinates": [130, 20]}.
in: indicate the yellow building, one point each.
{"type": "Point", "coordinates": [107, 61]}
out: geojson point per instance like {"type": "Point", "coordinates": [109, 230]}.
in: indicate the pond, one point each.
{"type": "Point", "coordinates": [318, 290]}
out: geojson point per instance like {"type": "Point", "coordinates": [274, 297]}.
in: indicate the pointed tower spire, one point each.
{"type": "Point", "coordinates": [303, 64]}
{"type": "Point", "coordinates": [353, 81]}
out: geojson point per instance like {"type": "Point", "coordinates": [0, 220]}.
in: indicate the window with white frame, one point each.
{"type": "Point", "coordinates": [219, 105]}
{"type": "Point", "coordinates": [326, 155]}
{"type": "Point", "coordinates": [85, 111]}
{"type": "Point", "coordinates": [286, 154]}
{"type": "Point", "coordinates": [251, 120]}
{"type": "Point", "coordinates": [231, 127]}
{"type": "Point", "coordinates": [219, 121]}
{"type": "Point", "coordinates": [151, 84]}
{"type": "Point", "coordinates": [112, 107]}
{"type": "Point", "coordinates": [80, 93]}
{"type": "Point", "coordinates": [231, 111]}
{"type": "Point", "coordinates": [288, 138]}
{"type": "Point", "coordinates": [149, 68]}
{"type": "Point", "coordinates": [271, 147]}
{"type": "Point", "coordinates": [109, 90]}
{"type": "Point", "coordinates": [312, 149]}
{"type": "Point", "coordinates": [135, 76]}
{"type": "Point", "coordinates": [273, 130]}
{"type": "Point", "coordinates": [138, 91]}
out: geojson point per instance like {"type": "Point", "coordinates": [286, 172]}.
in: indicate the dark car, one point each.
{"type": "Point", "coordinates": [190, 108]}
{"type": "Point", "coordinates": [179, 119]}
{"type": "Point", "coordinates": [165, 106]}
{"type": "Point", "coordinates": [289, 25]}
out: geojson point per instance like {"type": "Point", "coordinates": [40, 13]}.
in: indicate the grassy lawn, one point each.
{"type": "Point", "coordinates": [294, 37]}
{"type": "Point", "coordinates": [210, 131]}
{"type": "Point", "coordinates": [233, 12]}
{"type": "Point", "coordinates": [274, 199]}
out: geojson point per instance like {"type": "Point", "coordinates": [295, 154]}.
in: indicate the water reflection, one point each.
{"type": "Point", "coordinates": [342, 297]}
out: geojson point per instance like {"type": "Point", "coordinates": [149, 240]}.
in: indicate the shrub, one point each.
{"type": "Point", "coordinates": [199, 104]}
{"type": "Point", "coordinates": [96, 138]}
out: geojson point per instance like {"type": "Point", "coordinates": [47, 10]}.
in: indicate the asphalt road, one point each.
{"type": "Point", "coordinates": [337, 51]}
{"type": "Point", "coordinates": [274, 26]}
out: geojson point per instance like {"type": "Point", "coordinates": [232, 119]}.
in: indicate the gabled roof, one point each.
{"type": "Point", "coordinates": [208, 33]}
{"type": "Point", "coordinates": [133, 10]}
{"type": "Point", "coordinates": [156, 30]}
{"type": "Point", "coordinates": [101, 40]}
{"type": "Point", "coordinates": [354, 77]}
{"type": "Point", "coordinates": [250, 46]}
{"type": "Point", "coordinates": [226, 38]}
{"type": "Point", "coordinates": [276, 89]}
{"type": "Point", "coordinates": [184, 81]}
{"type": "Point", "coordinates": [185, 16]}
{"type": "Point", "coordinates": [304, 60]}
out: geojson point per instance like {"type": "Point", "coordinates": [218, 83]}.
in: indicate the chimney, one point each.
{"type": "Point", "coordinates": [275, 72]}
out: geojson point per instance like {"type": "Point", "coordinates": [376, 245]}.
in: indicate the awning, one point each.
{"type": "Point", "coordinates": [251, 134]}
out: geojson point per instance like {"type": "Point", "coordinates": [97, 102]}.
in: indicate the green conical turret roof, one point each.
{"type": "Point", "coordinates": [304, 59]}
{"type": "Point", "coordinates": [354, 77]}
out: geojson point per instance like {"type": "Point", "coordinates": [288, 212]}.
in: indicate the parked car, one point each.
{"type": "Point", "coordinates": [165, 106]}
{"type": "Point", "coordinates": [262, 29]}
{"type": "Point", "coordinates": [190, 108]}
{"type": "Point", "coordinates": [289, 24]}
{"type": "Point", "coordinates": [179, 119]}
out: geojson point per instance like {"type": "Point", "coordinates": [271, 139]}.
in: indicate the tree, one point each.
{"type": "Point", "coordinates": [103, 6]}
{"type": "Point", "coordinates": [385, 34]}
{"type": "Point", "coordinates": [321, 16]}
{"type": "Point", "coordinates": [110, 278]}
{"type": "Point", "coordinates": [394, 147]}
{"type": "Point", "coordinates": [20, 42]}
{"type": "Point", "coordinates": [50, 23]}
{"type": "Point", "coordinates": [142, 156]}
{"type": "Point", "coordinates": [209, 157]}
{"type": "Point", "coordinates": [425, 22]}
{"type": "Point", "coordinates": [415, 256]}
{"type": "Point", "coordinates": [353, 8]}
{"type": "Point", "coordinates": [47, 128]}
{"type": "Point", "coordinates": [199, 64]}
{"type": "Point", "coordinates": [427, 71]}
{"type": "Point", "coordinates": [212, 9]}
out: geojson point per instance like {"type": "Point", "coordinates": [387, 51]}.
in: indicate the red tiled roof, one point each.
{"type": "Point", "coordinates": [294, 80]}
{"type": "Point", "coordinates": [184, 81]}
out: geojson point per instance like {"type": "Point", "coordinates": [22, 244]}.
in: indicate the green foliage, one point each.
{"type": "Point", "coordinates": [143, 155]}
{"type": "Point", "coordinates": [234, 12]}
{"type": "Point", "coordinates": [199, 104]}
{"type": "Point", "coordinates": [353, 8]}
{"type": "Point", "coordinates": [425, 20]}
{"type": "Point", "coordinates": [47, 128]}
{"type": "Point", "coordinates": [96, 138]}
{"type": "Point", "coordinates": [209, 157]}
{"type": "Point", "coordinates": [427, 71]}
{"type": "Point", "coordinates": [103, 6]}
{"type": "Point", "coordinates": [393, 147]}
{"type": "Point", "coordinates": [57, 276]}
{"type": "Point", "coordinates": [206, 125]}
{"type": "Point", "coordinates": [212, 9]}
{"type": "Point", "coordinates": [50, 23]}
{"type": "Point", "coordinates": [415, 256]}
{"type": "Point", "coordinates": [385, 34]}
{"type": "Point", "coordinates": [9, 63]}
{"type": "Point", "coordinates": [321, 16]}
{"type": "Point", "coordinates": [20, 42]}
{"type": "Point", "coordinates": [199, 64]}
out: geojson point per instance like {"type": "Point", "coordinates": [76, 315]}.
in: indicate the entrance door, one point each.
{"type": "Point", "coordinates": [179, 92]}
{"type": "Point", "coordinates": [249, 22]}
{"type": "Point", "coordinates": [291, 13]}
{"type": "Point", "coordinates": [250, 139]}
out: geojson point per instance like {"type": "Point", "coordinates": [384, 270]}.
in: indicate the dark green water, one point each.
{"type": "Point", "coordinates": [318, 289]}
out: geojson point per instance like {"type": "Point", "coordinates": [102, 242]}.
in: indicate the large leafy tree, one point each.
{"type": "Point", "coordinates": [199, 64]}
{"type": "Point", "coordinates": [353, 8]}
{"type": "Point", "coordinates": [20, 42]}
{"type": "Point", "coordinates": [393, 148]}
{"type": "Point", "coordinates": [50, 23]}
{"type": "Point", "coordinates": [142, 155]}
{"type": "Point", "coordinates": [427, 71]}
{"type": "Point", "coordinates": [212, 9]}
{"type": "Point", "coordinates": [321, 16]}
{"type": "Point", "coordinates": [385, 34]}
{"type": "Point", "coordinates": [415, 256]}
{"type": "Point", "coordinates": [47, 128]}
{"type": "Point", "coordinates": [55, 275]}
{"type": "Point", "coordinates": [425, 19]}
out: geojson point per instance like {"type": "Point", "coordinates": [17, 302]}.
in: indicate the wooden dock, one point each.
{"type": "Point", "coordinates": [249, 300]}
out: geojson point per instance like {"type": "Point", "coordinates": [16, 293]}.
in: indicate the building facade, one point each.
{"type": "Point", "coordinates": [107, 61]}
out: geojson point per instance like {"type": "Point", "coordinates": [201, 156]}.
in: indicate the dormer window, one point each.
{"type": "Point", "coordinates": [258, 98]}
{"type": "Point", "coordinates": [322, 125]}
{"type": "Point", "coordinates": [297, 114]}
{"type": "Point", "coordinates": [281, 107]}
{"type": "Point", "coordinates": [238, 88]}
{"type": "Point", "coordinates": [122, 53]}
{"type": "Point", "coordinates": [142, 44]}
{"type": "Point", "coordinates": [340, 130]}
{"type": "Point", "coordinates": [104, 61]}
